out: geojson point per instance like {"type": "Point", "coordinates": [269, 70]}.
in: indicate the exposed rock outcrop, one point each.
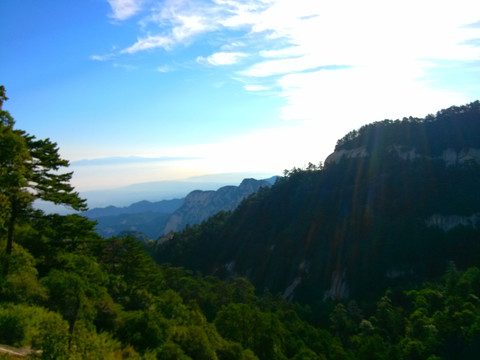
{"type": "Point", "coordinates": [199, 205]}
{"type": "Point", "coordinates": [339, 289]}
{"type": "Point", "coordinates": [451, 157]}
{"type": "Point", "coordinates": [448, 222]}
{"type": "Point", "coordinates": [337, 156]}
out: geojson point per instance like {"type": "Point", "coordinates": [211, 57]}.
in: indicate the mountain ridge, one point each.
{"type": "Point", "coordinates": [199, 205]}
{"type": "Point", "coordinates": [164, 206]}
{"type": "Point", "coordinates": [358, 225]}
{"type": "Point", "coordinates": [157, 218]}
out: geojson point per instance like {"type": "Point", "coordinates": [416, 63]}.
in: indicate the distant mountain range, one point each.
{"type": "Point", "coordinates": [144, 206]}
{"type": "Point", "coordinates": [143, 216]}
{"type": "Point", "coordinates": [161, 190]}
{"type": "Point", "coordinates": [157, 218]}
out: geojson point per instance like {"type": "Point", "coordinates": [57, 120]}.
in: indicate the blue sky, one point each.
{"type": "Point", "coordinates": [220, 86]}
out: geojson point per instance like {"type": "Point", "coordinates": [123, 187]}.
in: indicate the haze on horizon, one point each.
{"type": "Point", "coordinates": [150, 90]}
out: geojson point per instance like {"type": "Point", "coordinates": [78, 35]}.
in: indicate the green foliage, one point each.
{"type": "Point", "coordinates": [88, 344]}
{"type": "Point", "coordinates": [164, 314]}
{"type": "Point", "coordinates": [194, 342]}
{"type": "Point", "coordinates": [144, 330]}
{"type": "Point", "coordinates": [21, 283]}
{"type": "Point", "coordinates": [22, 324]}
{"type": "Point", "coordinates": [52, 337]}
{"type": "Point", "coordinates": [261, 332]}
{"type": "Point", "coordinates": [12, 326]}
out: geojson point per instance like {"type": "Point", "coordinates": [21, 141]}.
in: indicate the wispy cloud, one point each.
{"type": "Point", "coordinates": [125, 66]}
{"type": "Point", "coordinates": [118, 160]}
{"type": "Point", "coordinates": [149, 42]}
{"type": "Point", "coordinates": [101, 57]}
{"type": "Point", "coordinates": [256, 88]}
{"type": "Point", "coordinates": [362, 52]}
{"type": "Point", "coordinates": [221, 58]}
{"type": "Point", "coordinates": [124, 9]}
{"type": "Point", "coordinates": [164, 69]}
{"type": "Point", "coordinates": [472, 42]}
{"type": "Point", "coordinates": [473, 25]}
{"type": "Point", "coordinates": [179, 21]}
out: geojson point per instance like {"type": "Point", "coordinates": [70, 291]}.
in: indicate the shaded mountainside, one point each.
{"type": "Point", "coordinates": [199, 205]}
{"type": "Point", "coordinates": [144, 216]}
{"type": "Point", "coordinates": [360, 224]}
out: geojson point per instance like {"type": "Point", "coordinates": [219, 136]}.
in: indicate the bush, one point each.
{"type": "Point", "coordinates": [22, 325]}
{"type": "Point", "coordinates": [13, 326]}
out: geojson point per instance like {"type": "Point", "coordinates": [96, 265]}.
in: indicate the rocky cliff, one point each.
{"type": "Point", "coordinates": [199, 205]}
{"type": "Point", "coordinates": [450, 156]}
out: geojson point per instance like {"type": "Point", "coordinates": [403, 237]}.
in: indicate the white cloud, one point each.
{"type": "Point", "coordinates": [221, 58]}
{"type": "Point", "coordinates": [125, 66]}
{"type": "Point", "coordinates": [164, 69]}
{"type": "Point", "coordinates": [385, 53]}
{"type": "Point", "coordinates": [124, 9]}
{"type": "Point", "coordinates": [284, 66]}
{"type": "Point", "coordinates": [149, 42]}
{"type": "Point", "coordinates": [287, 52]}
{"type": "Point", "coordinates": [176, 22]}
{"type": "Point", "coordinates": [101, 57]}
{"type": "Point", "coordinates": [387, 50]}
{"type": "Point", "coordinates": [180, 21]}
{"type": "Point", "coordinates": [233, 45]}
{"type": "Point", "coordinates": [256, 88]}
{"type": "Point", "coordinates": [359, 95]}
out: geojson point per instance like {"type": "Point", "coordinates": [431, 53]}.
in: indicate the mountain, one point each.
{"type": "Point", "coordinates": [393, 205]}
{"type": "Point", "coordinates": [144, 216]}
{"type": "Point", "coordinates": [164, 206]}
{"type": "Point", "coordinates": [157, 218]}
{"type": "Point", "coordinates": [159, 190]}
{"type": "Point", "coordinates": [199, 205]}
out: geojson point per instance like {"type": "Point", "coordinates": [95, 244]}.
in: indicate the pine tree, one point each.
{"type": "Point", "coordinates": [29, 170]}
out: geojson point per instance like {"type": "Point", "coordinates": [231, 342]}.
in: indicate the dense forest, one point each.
{"type": "Point", "coordinates": [454, 128]}
{"type": "Point", "coordinates": [67, 293]}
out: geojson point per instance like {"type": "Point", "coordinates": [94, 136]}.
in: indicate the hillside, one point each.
{"type": "Point", "coordinates": [394, 203]}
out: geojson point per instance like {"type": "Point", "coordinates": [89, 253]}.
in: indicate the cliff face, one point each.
{"type": "Point", "coordinates": [449, 222]}
{"type": "Point", "coordinates": [450, 157]}
{"type": "Point", "coordinates": [200, 205]}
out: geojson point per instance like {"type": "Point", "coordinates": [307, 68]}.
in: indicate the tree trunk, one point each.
{"type": "Point", "coordinates": [8, 250]}
{"type": "Point", "coordinates": [71, 323]}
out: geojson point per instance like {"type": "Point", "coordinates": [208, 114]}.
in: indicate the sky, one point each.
{"type": "Point", "coordinates": [142, 90]}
